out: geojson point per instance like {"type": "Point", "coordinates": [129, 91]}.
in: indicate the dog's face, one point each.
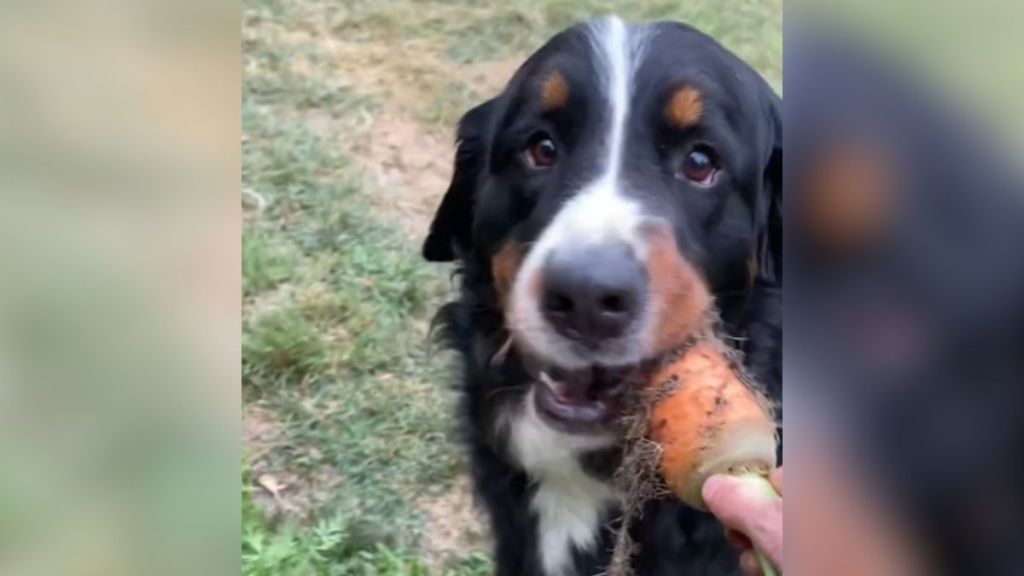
{"type": "Point", "coordinates": [620, 184]}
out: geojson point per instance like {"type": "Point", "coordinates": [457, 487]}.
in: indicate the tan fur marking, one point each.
{"type": "Point", "coordinates": [554, 94]}
{"type": "Point", "coordinates": [848, 200]}
{"type": "Point", "coordinates": [504, 266]}
{"type": "Point", "coordinates": [684, 108]}
{"type": "Point", "coordinates": [681, 298]}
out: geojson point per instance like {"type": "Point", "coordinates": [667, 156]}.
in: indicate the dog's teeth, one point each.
{"type": "Point", "coordinates": [557, 388]}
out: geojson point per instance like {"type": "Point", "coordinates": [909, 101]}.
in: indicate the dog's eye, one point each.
{"type": "Point", "coordinates": [542, 153]}
{"type": "Point", "coordinates": [699, 165]}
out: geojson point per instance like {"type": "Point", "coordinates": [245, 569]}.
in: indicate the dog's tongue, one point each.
{"type": "Point", "coordinates": [576, 385]}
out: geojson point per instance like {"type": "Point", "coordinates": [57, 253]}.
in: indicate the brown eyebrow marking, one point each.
{"type": "Point", "coordinates": [554, 93]}
{"type": "Point", "coordinates": [847, 200]}
{"type": "Point", "coordinates": [684, 108]}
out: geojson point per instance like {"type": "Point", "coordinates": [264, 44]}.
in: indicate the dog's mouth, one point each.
{"type": "Point", "coordinates": [584, 400]}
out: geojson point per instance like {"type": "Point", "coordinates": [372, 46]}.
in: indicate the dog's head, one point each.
{"type": "Point", "coordinates": [627, 177]}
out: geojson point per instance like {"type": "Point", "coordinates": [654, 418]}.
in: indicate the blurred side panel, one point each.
{"type": "Point", "coordinates": [119, 298]}
{"type": "Point", "coordinates": [904, 329]}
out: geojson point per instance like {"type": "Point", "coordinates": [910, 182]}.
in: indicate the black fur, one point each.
{"type": "Point", "coordinates": [490, 201]}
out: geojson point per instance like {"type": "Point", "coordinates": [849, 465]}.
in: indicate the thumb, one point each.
{"type": "Point", "coordinates": [750, 506]}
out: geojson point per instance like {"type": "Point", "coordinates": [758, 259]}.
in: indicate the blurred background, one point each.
{"type": "Point", "coordinates": [350, 464]}
{"type": "Point", "coordinates": [119, 300]}
{"type": "Point", "coordinates": [904, 292]}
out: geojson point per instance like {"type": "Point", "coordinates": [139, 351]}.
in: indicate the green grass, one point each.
{"type": "Point", "coordinates": [334, 344]}
{"type": "Point", "coordinates": [336, 301]}
{"type": "Point", "coordinates": [518, 26]}
{"type": "Point", "coordinates": [333, 339]}
{"type": "Point", "coordinates": [328, 548]}
{"type": "Point", "coordinates": [423, 46]}
{"type": "Point", "coordinates": [281, 348]}
{"type": "Point", "coordinates": [267, 261]}
{"type": "Point", "coordinates": [482, 30]}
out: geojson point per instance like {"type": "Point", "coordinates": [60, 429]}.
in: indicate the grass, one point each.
{"type": "Point", "coordinates": [422, 56]}
{"type": "Point", "coordinates": [336, 300]}
{"type": "Point", "coordinates": [334, 342]}
{"type": "Point", "coordinates": [328, 548]}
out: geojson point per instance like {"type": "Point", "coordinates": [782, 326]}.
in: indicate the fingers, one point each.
{"type": "Point", "coordinates": [776, 480]}
{"type": "Point", "coordinates": [749, 564]}
{"type": "Point", "coordinates": [738, 539]}
{"type": "Point", "coordinates": [745, 507]}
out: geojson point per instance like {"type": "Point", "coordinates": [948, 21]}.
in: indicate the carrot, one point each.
{"type": "Point", "coordinates": [707, 420]}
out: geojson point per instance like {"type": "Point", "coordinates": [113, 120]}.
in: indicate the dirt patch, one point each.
{"type": "Point", "coordinates": [488, 78]}
{"type": "Point", "coordinates": [402, 139]}
{"type": "Point", "coordinates": [412, 162]}
{"type": "Point", "coordinates": [406, 143]}
{"type": "Point", "coordinates": [453, 526]}
{"type": "Point", "coordinates": [263, 304]}
{"type": "Point", "coordinates": [413, 75]}
{"type": "Point", "coordinates": [411, 168]}
{"type": "Point", "coordinates": [284, 495]}
{"type": "Point", "coordinates": [278, 493]}
{"type": "Point", "coordinates": [259, 429]}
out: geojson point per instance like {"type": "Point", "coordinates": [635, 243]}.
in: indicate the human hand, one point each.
{"type": "Point", "coordinates": [752, 521]}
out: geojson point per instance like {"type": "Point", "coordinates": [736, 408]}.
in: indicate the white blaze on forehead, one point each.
{"type": "Point", "coordinates": [569, 504]}
{"type": "Point", "coordinates": [600, 213]}
{"type": "Point", "coordinates": [611, 43]}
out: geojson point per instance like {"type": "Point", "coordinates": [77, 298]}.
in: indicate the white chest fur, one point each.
{"type": "Point", "coordinates": [569, 504]}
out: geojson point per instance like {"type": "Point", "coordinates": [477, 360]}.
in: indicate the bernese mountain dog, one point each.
{"type": "Point", "coordinates": [626, 180]}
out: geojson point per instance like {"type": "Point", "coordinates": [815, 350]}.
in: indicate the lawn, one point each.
{"type": "Point", "coordinates": [349, 465]}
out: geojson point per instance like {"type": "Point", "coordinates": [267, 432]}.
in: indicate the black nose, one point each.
{"type": "Point", "coordinates": [593, 293]}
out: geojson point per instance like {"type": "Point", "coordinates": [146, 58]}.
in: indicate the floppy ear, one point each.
{"type": "Point", "coordinates": [769, 210]}
{"type": "Point", "coordinates": [451, 232]}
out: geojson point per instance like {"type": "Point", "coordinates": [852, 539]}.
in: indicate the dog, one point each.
{"type": "Point", "coordinates": [627, 180]}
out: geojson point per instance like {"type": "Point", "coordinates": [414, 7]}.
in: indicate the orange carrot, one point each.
{"type": "Point", "coordinates": [709, 421]}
